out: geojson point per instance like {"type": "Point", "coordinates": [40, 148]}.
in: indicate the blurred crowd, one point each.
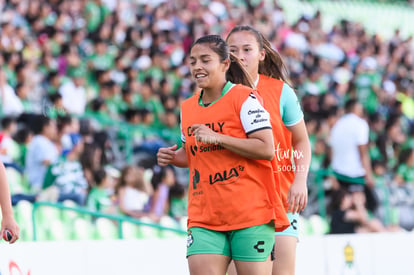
{"type": "Point", "coordinates": [91, 89]}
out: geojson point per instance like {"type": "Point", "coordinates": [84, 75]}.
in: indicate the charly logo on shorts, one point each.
{"type": "Point", "coordinates": [190, 239]}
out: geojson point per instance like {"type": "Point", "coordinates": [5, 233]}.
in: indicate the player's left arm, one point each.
{"type": "Point", "coordinates": [298, 192]}
{"type": "Point", "coordinates": [255, 121]}
{"type": "Point", "coordinates": [292, 116]}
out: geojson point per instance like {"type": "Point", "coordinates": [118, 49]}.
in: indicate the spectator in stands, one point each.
{"type": "Point", "coordinates": [66, 175]}
{"type": "Point", "coordinates": [67, 127]}
{"type": "Point", "coordinates": [100, 196]}
{"type": "Point", "coordinates": [57, 108]}
{"type": "Point", "coordinates": [10, 102]}
{"type": "Point", "coordinates": [349, 214]}
{"type": "Point", "coordinates": [7, 219]}
{"type": "Point", "coordinates": [350, 159]}
{"type": "Point", "coordinates": [11, 60]}
{"type": "Point", "coordinates": [41, 152]}
{"type": "Point", "coordinates": [152, 140]}
{"type": "Point", "coordinates": [52, 83]}
{"type": "Point", "coordinates": [171, 132]}
{"type": "Point", "coordinates": [162, 180]}
{"type": "Point", "coordinates": [9, 150]}
{"type": "Point", "coordinates": [134, 130]}
{"type": "Point", "coordinates": [368, 83]}
{"type": "Point", "coordinates": [177, 201]}
{"type": "Point", "coordinates": [91, 162]}
{"type": "Point", "coordinates": [318, 155]}
{"type": "Point", "coordinates": [404, 170]}
{"type": "Point", "coordinates": [99, 112]}
{"type": "Point", "coordinates": [74, 93]}
{"type": "Point", "coordinates": [23, 137]}
{"type": "Point", "coordinates": [148, 101]}
{"type": "Point", "coordinates": [133, 192]}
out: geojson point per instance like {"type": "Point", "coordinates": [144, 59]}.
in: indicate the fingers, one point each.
{"type": "Point", "coordinates": [166, 155]}
{"type": "Point", "coordinates": [296, 203]}
{"type": "Point", "coordinates": [204, 134]}
{"type": "Point", "coordinates": [293, 206]}
{"type": "Point", "coordinates": [15, 236]}
{"type": "Point", "coordinates": [15, 233]}
{"type": "Point", "coordinates": [195, 127]}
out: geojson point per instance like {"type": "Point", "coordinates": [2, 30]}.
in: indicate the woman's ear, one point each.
{"type": "Point", "coordinates": [262, 54]}
{"type": "Point", "coordinates": [226, 64]}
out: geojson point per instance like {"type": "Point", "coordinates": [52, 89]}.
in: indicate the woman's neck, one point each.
{"type": "Point", "coordinates": [212, 94]}
{"type": "Point", "coordinates": [254, 76]}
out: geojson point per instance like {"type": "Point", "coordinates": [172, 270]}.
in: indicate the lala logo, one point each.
{"type": "Point", "coordinates": [286, 153]}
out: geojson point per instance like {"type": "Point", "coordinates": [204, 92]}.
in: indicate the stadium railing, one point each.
{"type": "Point", "coordinates": [163, 231]}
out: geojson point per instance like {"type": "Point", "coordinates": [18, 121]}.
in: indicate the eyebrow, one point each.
{"type": "Point", "coordinates": [245, 45]}
{"type": "Point", "coordinates": [201, 56]}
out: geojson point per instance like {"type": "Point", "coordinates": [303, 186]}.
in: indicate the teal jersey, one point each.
{"type": "Point", "coordinates": [290, 110]}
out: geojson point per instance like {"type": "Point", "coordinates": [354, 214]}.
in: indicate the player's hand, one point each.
{"type": "Point", "coordinates": [165, 156]}
{"type": "Point", "coordinates": [10, 224]}
{"type": "Point", "coordinates": [204, 134]}
{"type": "Point", "coordinates": [297, 196]}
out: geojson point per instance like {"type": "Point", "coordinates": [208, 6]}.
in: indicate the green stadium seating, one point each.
{"type": "Point", "coordinates": [183, 223]}
{"type": "Point", "coordinates": [105, 229]}
{"type": "Point", "coordinates": [319, 225]}
{"type": "Point", "coordinates": [82, 229]}
{"type": "Point", "coordinates": [57, 231]}
{"type": "Point", "coordinates": [15, 180]}
{"type": "Point", "coordinates": [169, 222]}
{"type": "Point", "coordinates": [23, 212]}
{"type": "Point", "coordinates": [44, 215]}
{"type": "Point", "coordinates": [146, 231]}
{"type": "Point", "coordinates": [67, 215]}
{"type": "Point", "coordinates": [304, 227]}
{"type": "Point", "coordinates": [130, 231]}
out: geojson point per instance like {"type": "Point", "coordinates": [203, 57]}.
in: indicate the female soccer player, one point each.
{"type": "Point", "coordinates": [233, 205]}
{"type": "Point", "coordinates": [7, 220]}
{"type": "Point", "coordinates": [266, 67]}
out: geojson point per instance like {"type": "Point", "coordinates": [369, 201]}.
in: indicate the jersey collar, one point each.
{"type": "Point", "coordinates": [226, 88]}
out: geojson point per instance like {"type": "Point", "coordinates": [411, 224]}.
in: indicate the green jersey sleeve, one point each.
{"type": "Point", "coordinates": [290, 109]}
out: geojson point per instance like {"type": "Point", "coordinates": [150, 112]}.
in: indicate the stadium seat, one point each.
{"type": "Point", "coordinates": [168, 222]}
{"type": "Point", "coordinates": [57, 231]}
{"type": "Point", "coordinates": [319, 225]}
{"type": "Point", "coordinates": [304, 227]}
{"type": "Point", "coordinates": [23, 212]}
{"type": "Point", "coordinates": [130, 231]}
{"type": "Point", "coordinates": [147, 231]}
{"type": "Point", "coordinates": [67, 215]}
{"type": "Point", "coordinates": [105, 229]}
{"type": "Point", "coordinates": [183, 223]}
{"type": "Point", "coordinates": [82, 229]}
{"type": "Point", "coordinates": [44, 215]}
{"type": "Point", "coordinates": [15, 180]}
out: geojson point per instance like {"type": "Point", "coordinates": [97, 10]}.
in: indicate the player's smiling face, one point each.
{"type": "Point", "coordinates": [206, 67]}
{"type": "Point", "coordinates": [245, 46]}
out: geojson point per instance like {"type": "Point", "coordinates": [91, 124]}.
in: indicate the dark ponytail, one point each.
{"type": "Point", "coordinates": [237, 73]}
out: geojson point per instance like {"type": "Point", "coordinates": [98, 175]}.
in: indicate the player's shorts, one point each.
{"type": "Point", "coordinates": [253, 244]}
{"type": "Point", "coordinates": [293, 229]}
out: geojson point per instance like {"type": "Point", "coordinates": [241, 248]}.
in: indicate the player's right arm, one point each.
{"type": "Point", "coordinates": [170, 155]}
